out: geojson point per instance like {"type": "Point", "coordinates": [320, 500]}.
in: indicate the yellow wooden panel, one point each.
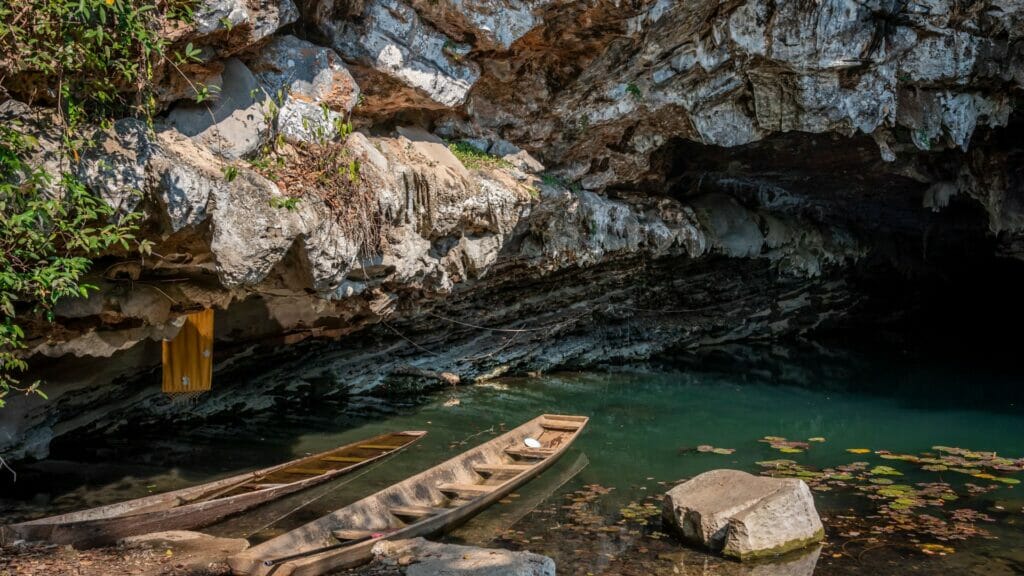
{"type": "Point", "coordinates": [188, 359]}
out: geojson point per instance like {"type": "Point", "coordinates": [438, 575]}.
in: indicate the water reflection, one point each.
{"type": "Point", "coordinates": [689, 563]}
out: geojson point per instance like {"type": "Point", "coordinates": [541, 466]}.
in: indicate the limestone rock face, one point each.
{"type": "Point", "coordinates": [233, 125]}
{"type": "Point", "coordinates": [725, 162]}
{"type": "Point", "coordinates": [391, 40]}
{"type": "Point", "coordinates": [255, 20]}
{"type": "Point", "coordinates": [419, 557]}
{"type": "Point", "coordinates": [315, 86]}
{"type": "Point", "coordinates": [742, 515]}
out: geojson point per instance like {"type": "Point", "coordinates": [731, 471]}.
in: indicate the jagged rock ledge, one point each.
{"type": "Point", "coordinates": [660, 175]}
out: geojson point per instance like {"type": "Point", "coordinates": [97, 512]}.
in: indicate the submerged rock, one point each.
{"type": "Point", "coordinates": [742, 515]}
{"type": "Point", "coordinates": [420, 557]}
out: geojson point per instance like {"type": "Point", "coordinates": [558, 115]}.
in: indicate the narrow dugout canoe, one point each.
{"type": "Point", "coordinates": [208, 503]}
{"type": "Point", "coordinates": [433, 501]}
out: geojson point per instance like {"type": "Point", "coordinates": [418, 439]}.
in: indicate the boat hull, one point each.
{"type": "Point", "coordinates": [173, 511]}
{"type": "Point", "coordinates": [312, 549]}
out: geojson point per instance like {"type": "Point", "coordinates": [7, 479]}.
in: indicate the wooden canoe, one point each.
{"type": "Point", "coordinates": [433, 501]}
{"type": "Point", "coordinates": [208, 503]}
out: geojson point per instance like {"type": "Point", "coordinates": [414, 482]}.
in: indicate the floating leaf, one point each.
{"type": "Point", "coordinates": [816, 439]}
{"type": "Point", "coordinates": [939, 549]}
{"type": "Point", "coordinates": [858, 450]}
{"type": "Point", "coordinates": [886, 470]}
{"type": "Point", "coordinates": [707, 448]}
{"type": "Point", "coordinates": [1008, 480]}
{"type": "Point", "coordinates": [789, 450]}
{"type": "Point", "coordinates": [781, 463]}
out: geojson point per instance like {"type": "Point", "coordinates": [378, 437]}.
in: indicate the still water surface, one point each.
{"type": "Point", "coordinates": [642, 422]}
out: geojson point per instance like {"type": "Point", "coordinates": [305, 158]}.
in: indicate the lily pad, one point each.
{"type": "Point", "coordinates": [886, 470]}
{"type": "Point", "coordinates": [859, 450]}
{"type": "Point", "coordinates": [816, 439]}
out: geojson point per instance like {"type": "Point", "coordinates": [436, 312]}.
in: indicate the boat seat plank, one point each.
{"type": "Point", "coordinates": [413, 511]}
{"type": "Point", "coordinates": [306, 471]}
{"type": "Point", "coordinates": [352, 534]}
{"type": "Point", "coordinates": [474, 489]}
{"type": "Point", "coordinates": [530, 452]}
{"type": "Point", "coordinates": [343, 459]}
{"type": "Point", "coordinates": [499, 468]}
{"type": "Point", "coordinates": [560, 426]}
{"type": "Point", "coordinates": [258, 486]}
{"type": "Point", "coordinates": [565, 417]}
{"type": "Point", "coordinates": [377, 446]}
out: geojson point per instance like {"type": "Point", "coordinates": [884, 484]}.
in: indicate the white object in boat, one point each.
{"type": "Point", "coordinates": [531, 443]}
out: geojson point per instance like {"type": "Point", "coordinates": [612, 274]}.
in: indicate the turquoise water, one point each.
{"type": "Point", "coordinates": [642, 424]}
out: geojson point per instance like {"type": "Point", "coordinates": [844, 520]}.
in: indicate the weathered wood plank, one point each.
{"type": "Point", "coordinates": [560, 426]}
{"type": "Point", "coordinates": [530, 452]}
{"type": "Point", "coordinates": [465, 488]}
{"type": "Point", "coordinates": [343, 459]}
{"type": "Point", "coordinates": [415, 511]}
{"type": "Point", "coordinates": [306, 471]}
{"type": "Point", "coordinates": [351, 534]}
{"type": "Point", "coordinates": [499, 468]}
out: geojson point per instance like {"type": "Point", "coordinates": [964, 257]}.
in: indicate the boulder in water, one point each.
{"type": "Point", "coordinates": [742, 515]}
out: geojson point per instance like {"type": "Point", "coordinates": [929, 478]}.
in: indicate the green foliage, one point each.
{"type": "Point", "coordinates": [94, 60]}
{"type": "Point", "coordinates": [288, 203]}
{"type": "Point", "coordinates": [634, 91]}
{"type": "Point", "coordinates": [230, 173]}
{"type": "Point", "coordinates": [475, 158]}
{"type": "Point", "coordinates": [46, 241]}
{"type": "Point", "coordinates": [552, 180]}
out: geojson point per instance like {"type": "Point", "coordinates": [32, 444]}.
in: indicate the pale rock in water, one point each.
{"type": "Point", "coordinates": [742, 515]}
{"type": "Point", "coordinates": [419, 557]}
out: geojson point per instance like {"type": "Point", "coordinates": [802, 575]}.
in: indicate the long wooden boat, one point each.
{"type": "Point", "coordinates": [430, 502]}
{"type": "Point", "coordinates": [208, 503]}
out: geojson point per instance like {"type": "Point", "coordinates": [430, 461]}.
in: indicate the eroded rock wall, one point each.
{"type": "Point", "coordinates": [657, 174]}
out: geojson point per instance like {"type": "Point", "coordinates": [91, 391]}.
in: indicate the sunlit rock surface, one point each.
{"type": "Point", "coordinates": [658, 175]}
{"type": "Point", "coordinates": [744, 516]}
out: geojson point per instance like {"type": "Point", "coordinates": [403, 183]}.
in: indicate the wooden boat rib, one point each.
{"type": "Point", "coordinates": [433, 501]}
{"type": "Point", "coordinates": [208, 503]}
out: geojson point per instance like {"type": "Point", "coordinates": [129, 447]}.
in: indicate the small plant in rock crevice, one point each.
{"type": "Point", "coordinates": [476, 159]}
